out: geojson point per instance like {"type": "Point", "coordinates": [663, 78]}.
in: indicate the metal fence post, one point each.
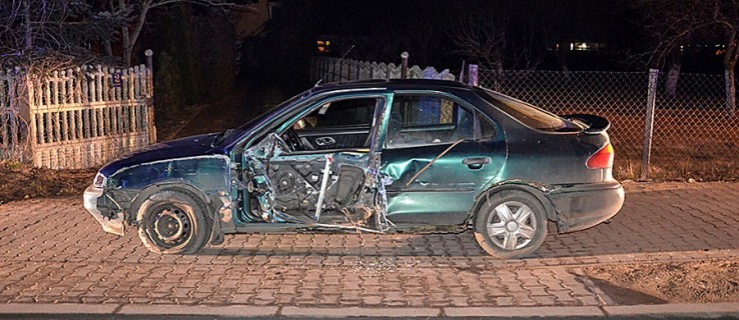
{"type": "Point", "coordinates": [341, 70]}
{"type": "Point", "coordinates": [404, 63]}
{"type": "Point", "coordinates": [461, 72]}
{"type": "Point", "coordinates": [152, 130]}
{"type": "Point", "coordinates": [472, 78]}
{"type": "Point", "coordinates": [649, 125]}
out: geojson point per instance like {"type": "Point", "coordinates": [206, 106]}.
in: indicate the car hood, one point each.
{"type": "Point", "coordinates": [180, 148]}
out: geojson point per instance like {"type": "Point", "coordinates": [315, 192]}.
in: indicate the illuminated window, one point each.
{"type": "Point", "coordinates": [323, 46]}
{"type": "Point", "coordinates": [587, 46]}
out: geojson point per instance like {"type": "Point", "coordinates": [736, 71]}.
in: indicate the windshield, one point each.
{"type": "Point", "coordinates": [527, 114]}
{"type": "Point", "coordinates": [229, 135]}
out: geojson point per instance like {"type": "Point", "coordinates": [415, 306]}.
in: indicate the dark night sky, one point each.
{"type": "Point", "coordinates": [363, 17]}
{"type": "Point", "coordinates": [397, 25]}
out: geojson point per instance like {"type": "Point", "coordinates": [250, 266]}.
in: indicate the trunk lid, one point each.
{"type": "Point", "coordinates": [594, 124]}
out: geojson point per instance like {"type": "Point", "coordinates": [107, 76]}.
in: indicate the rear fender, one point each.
{"type": "Point", "coordinates": [536, 190]}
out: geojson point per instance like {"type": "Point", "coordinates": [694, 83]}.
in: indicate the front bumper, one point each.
{"type": "Point", "coordinates": [92, 197]}
{"type": "Point", "coordinates": [582, 206]}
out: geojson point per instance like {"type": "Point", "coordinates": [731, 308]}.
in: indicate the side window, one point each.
{"type": "Point", "coordinates": [351, 113]}
{"type": "Point", "coordinates": [338, 124]}
{"type": "Point", "coordinates": [427, 119]}
{"type": "Point", "coordinates": [487, 128]}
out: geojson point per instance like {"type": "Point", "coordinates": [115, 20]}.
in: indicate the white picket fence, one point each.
{"type": "Point", "coordinates": [12, 128]}
{"type": "Point", "coordinates": [340, 70]}
{"type": "Point", "coordinates": [78, 117]}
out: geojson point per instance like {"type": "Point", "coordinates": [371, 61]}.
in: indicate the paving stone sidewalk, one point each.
{"type": "Point", "coordinates": [52, 251]}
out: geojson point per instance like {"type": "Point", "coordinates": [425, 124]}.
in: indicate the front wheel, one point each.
{"type": "Point", "coordinates": [510, 224]}
{"type": "Point", "coordinates": [173, 222]}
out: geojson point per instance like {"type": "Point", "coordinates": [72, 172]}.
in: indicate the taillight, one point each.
{"type": "Point", "coordinates": [602, 159]}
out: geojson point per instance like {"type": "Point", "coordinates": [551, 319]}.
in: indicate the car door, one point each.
{"type": "Point", "coordinates": [439, 153]}
{"type": "Point", "coordinates": [294, 181]}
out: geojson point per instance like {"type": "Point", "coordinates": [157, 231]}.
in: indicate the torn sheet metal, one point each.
{"type": "Point", "coordinates": [324, 183]}
{"type": "Point", "coordinates": [339, 189]}
{"type": "Point", "coordinates": [381, 202]}
{"type": "Point", "coordinates": [260, 187]}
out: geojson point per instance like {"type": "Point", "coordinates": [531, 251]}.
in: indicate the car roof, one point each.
{"type": "Point", "coordinates": [392, 84]}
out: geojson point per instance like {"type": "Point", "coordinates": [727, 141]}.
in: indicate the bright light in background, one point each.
{"type": "Point", "coordinates": [587, 46]}
{"type": "Point", "coordinates": [323, 46]}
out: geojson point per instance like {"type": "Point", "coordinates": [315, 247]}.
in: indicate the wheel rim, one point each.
{"type": "Point", "coordinates": [170, 226]}
{"type": "Point", "coordinates": [511, 225]}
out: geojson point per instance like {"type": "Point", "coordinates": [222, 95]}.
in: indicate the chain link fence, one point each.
{"type": "Point", "coordinates": [694, 134]}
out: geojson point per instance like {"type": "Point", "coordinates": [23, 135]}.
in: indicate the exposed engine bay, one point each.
{"type": "Point", "coordinates": [334, 190]}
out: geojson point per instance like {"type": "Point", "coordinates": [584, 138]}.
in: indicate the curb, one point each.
{"type": "Point", "coordinates": [708, 309]}
{"type": "Point", "coordinates": [678, 308]}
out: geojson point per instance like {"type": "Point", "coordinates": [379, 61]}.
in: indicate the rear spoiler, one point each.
{"type": "Point", "coordinates": [595, 123]}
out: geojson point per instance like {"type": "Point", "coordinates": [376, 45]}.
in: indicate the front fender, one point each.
{"type": "Point", "coordinates": [165, 185]}
{"type": "Point", "coordinates": [205, 177]}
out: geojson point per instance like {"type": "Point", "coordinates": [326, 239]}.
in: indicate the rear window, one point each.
{"type": "Point", "coordinates": [527, 114]}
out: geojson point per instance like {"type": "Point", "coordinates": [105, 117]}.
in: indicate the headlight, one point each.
{"type": "Point", "coordinates": [99, 181]}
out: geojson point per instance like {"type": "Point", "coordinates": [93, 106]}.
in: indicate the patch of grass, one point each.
{"type": "Point", "coordinates": [720, 169]}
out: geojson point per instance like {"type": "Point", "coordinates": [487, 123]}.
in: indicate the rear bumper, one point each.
{"type": "Point", "coordinates": [582, 206]}
{"type": "Point", "coordinates": [112, 223]}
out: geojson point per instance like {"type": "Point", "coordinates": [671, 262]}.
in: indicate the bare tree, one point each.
{"type": "Point", "coordinates": [481, 33]}
{"type": "Point", "coordinates": [52, 28]}
{"type": "Point", "coordinates": [423, 37]}
{"type": "Point", "coordinates": [676, 26]}
{"type": "Point", "coordinates": [74, 29]}
{"type": "Point", "coordinates": [671, 27]}
{"type": "Point", "coordinates": [726, 15]}
{"type": "Point", "coordinates": [37, 36]}
{"type": "Point", "coordinates": [136, 12]}
{"type": "Point", "coordinates": [499, 35]}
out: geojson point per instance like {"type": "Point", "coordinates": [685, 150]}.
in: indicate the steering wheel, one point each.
{"type": "Point", "coordinates": [292, 140]}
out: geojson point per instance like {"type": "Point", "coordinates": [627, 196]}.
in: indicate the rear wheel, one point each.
{"type": "Point", "coordinates": [173, 222]}
{"type": "Point", "coordinates": [510, 224]}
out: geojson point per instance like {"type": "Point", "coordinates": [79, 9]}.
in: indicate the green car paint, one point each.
{"type": "Point", "coordinates": [254, 178]}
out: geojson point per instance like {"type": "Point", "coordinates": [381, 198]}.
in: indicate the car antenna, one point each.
{"type": "Point", "coordinates": [461, 72]}
{"type": "Point", "coordinates": [342, 58]}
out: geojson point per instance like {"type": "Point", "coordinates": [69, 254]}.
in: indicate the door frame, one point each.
{"type": "Point", "coordinates": [379, 121]}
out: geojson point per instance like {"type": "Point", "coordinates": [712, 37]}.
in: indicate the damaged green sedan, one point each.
{"type": "Point", "coordinates": [410, 156]}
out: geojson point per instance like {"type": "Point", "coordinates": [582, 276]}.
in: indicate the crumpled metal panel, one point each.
{"type": "Point", "coordinates": [271, 156]}
{"type": "Point", "coordinates": [443, 193]}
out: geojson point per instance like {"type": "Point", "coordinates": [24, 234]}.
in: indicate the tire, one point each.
{"type": "Point", "coordinates": [510, 233]}
{"type": "Point", "coordinates": [173, 222]}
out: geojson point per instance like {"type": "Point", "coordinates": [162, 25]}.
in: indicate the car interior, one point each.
{"type": "Point", "coordinates": [342, 124]}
